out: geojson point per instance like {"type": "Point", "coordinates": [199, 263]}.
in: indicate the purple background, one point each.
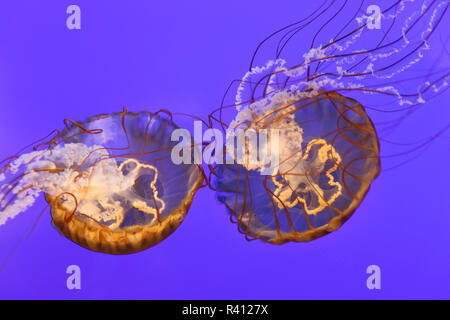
{"type": "Point", "coordinates": [181, 56]}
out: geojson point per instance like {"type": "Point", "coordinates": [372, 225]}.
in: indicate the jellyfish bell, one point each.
{"type": "Point", "coordinates": [109, 181]}
{"type": "Point", "coordinates": [328, 157]}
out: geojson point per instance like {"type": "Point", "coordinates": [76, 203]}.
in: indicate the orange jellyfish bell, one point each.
{"type": "Point", "coordinates": [110, 182]}
{"type": "Point", "coordinates": [327, 156]}
{"type": "Point", "coordinates": [151, 205]}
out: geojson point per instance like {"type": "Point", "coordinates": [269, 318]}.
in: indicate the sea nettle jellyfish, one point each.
{"type": "Point", "coordinates": [109, 181]}
{"type": "Point", "coordinates": [327, 146]}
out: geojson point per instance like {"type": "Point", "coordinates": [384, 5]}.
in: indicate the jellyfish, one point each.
{"type": "Point", "coordinates": [307, 150]}
{"type": "Point", "coordinates": [109, 181]}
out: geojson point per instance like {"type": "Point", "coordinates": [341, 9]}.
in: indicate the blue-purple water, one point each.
{"type": "Point", "coordinates": [181, 56]}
